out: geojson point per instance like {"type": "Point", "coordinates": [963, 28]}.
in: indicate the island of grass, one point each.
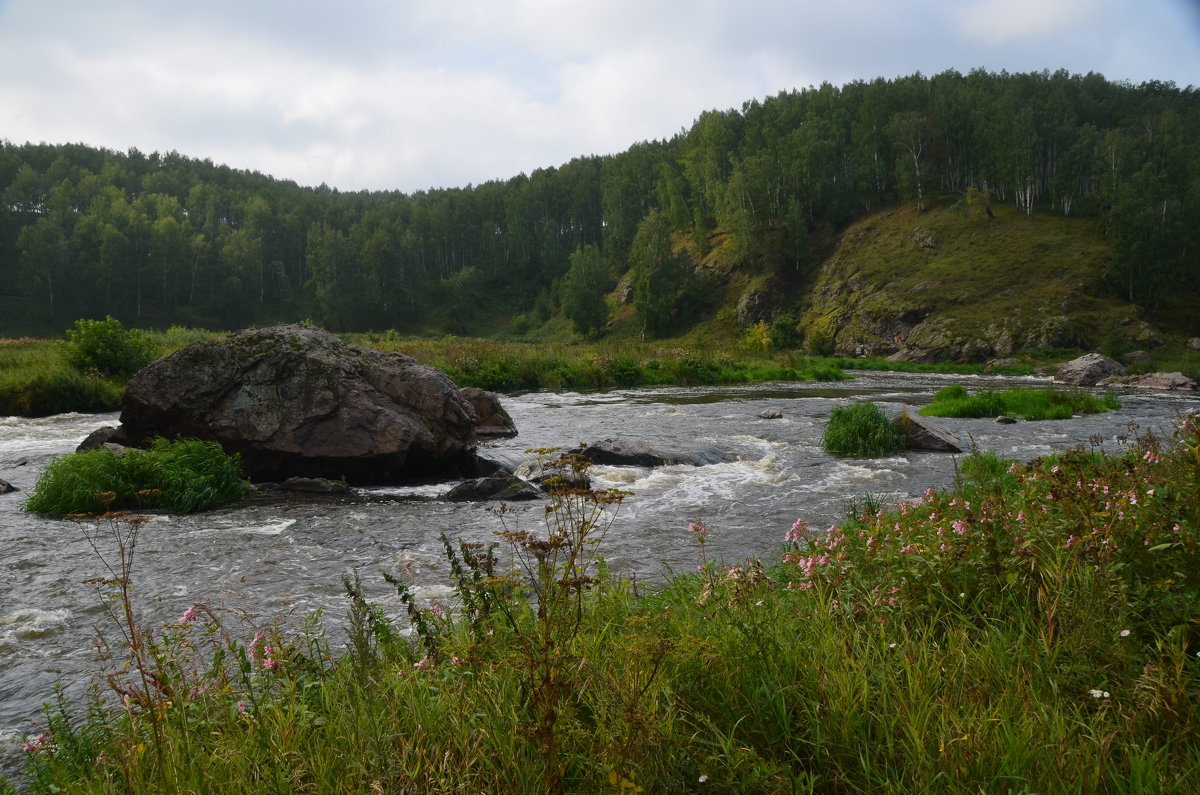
{"type": "Point", "coordinates": [1021, 403]}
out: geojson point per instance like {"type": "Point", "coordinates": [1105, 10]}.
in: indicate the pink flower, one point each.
{"type": "Point", "coordinates": [269, 663]}
{"type": "Point", "coordinates": [698, 528]}
{"type": "Point", "coordinates": [188, 615]}
{"type": "Point", "coordinates": [40, 742]}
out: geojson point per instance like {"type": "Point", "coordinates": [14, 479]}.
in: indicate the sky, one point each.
{"type": "Point", "coordinates": [417, 94]}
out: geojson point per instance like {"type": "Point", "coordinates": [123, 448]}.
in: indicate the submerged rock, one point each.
{"type": "Point", "coordinates": [296, 401]}
{"type": "Point", "coordinates": [7, 488]}
{"type": "Point", "coordinates": [506, 488]}
{"type": "Point", "coordinates": [1166, 382]}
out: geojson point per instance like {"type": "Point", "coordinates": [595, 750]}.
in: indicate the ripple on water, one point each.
{"type": "Point", "coordinates": [23, 625]}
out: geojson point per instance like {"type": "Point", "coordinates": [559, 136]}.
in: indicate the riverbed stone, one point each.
{"type": "Point", "coordinates": [503, 488]}
{"type": "Point", "coordinates": [7, 488]}
{"type": "Point", "coordinates": [97, 438]}
{"type": "Point", "coordinates": [295, 400]}
{"type": "Point", "coordinates": [1165, 382]}
{"type": "Point", "coordinates": [1088, 370]}
{"type": "Point", "coordinates": [922, 433]}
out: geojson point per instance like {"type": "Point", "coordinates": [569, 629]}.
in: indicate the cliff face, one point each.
{"type": "Point", "coordinates": [942, 285]}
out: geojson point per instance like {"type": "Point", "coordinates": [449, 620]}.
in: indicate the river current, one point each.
{"type": "Point", "coordinates": [284, 556]}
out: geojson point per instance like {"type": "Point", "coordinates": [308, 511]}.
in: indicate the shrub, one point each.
{"type": "Point", "coordinates": [183, 476]}
{"type": "Point", "coordinates": [108, 348]}
{"type": "Point", "coordinates": [860, 429]}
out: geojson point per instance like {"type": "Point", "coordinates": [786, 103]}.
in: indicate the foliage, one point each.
{"type": "Point", "coordinates": [1027, 404]}
{"type": "Point", "coordinates": [108, 348]}
{"type": "Point", "coordinates": [182, 476]}
{"type": "Point", "coordinates": [1017, 632]}
{"type": "Point", "coordinates": [583, 289]}
{"type": "Point", "coordinates": [860, 429]}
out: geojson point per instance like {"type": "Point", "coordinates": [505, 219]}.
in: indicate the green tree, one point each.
{"type": "Point", "coordinates": [583, 289]}
{"type": "Point", "coordinates": [660, 275]}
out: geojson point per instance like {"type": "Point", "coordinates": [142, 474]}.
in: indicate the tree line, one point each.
{"type": "Point", "coordinates": [156, 239]}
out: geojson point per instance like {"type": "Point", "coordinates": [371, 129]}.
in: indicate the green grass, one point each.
{"type": "Point", "coordinates": [182, 476]}
{"type": "Point", "coordinates": [1033, 629]}
{"type": "Point", "coordinates": [1022, 403]}
{"type": "Point", "coordinates": [861, 430]}
{"type": "Point", "coordinates": [35, 381]}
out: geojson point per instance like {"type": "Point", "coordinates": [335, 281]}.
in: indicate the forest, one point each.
{"type": "Point", "coordinates": [165, 239]}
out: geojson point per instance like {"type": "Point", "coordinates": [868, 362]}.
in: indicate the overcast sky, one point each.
{"type": "Point", "coordinates": [415, 94]}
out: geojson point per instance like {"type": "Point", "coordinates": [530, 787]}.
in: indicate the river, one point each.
{"type": "Point", "coordinates": [273, 557]}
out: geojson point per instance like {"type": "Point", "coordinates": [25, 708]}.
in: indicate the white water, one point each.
{"type": "Point", "coordinates": [284, 557]}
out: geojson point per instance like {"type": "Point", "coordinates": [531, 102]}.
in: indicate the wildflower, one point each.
{"type": "Point", "coordinates": [188, 615]}
{"type": "Point", "coordinates": [960, 527]}
{"type": "Point", "coordinates": [1124, 633]}
{"type": "Point", "coordinates": [699, 529]}
{"type": "Point", "coordinates": [1099, 693]}
{"type": "Point", "coordinates": [892, 645]}
{"type": "Point", "coordinates": [40, 742]}
{"type": "Point", "coordinates": [270, 663]}
{"type": "Point", "coordinates": [703, 779]}
{"type": "Point", "coordinates": [455, 660]}
{"type": "Point", "coordinates": [243, 708]}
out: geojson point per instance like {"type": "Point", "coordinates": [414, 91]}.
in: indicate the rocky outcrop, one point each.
{"type": "Point", "coordinates": [491, 420]}
{"type": "Point", "coordinates": [1165, 382]}
{"type": "Point", "coordinates": [297, 401]}
{"type": "Point", "coordinates": [1088, 370]}
{"type": "Point", "coordinates": [922, 433]}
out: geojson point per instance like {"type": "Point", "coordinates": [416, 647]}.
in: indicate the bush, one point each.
{"type": "Point", "coordinates": [108, 348]}
{"type": "Point", "coordinates": [862, 430]}
{"type": "Point", "coordinates": [183, 476]}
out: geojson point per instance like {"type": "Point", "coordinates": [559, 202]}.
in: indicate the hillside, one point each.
{"type": "Point", "coordinates": [945, 285]}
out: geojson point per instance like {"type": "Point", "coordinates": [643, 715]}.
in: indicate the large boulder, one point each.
{"type": "Point", "coordinates": [1088, 370]}
{"type": "Point", "coordinates": [297, 401]}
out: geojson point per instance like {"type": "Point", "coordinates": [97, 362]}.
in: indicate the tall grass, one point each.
{"type": "Point", "coordinates": [1033, 629]}
{"type": "Point", "coordinates": [1026, 404]}
{"type": "Point", "coordinates": [861, 429]}
{"type": "Point", "coordinates": [35, 381]}
{"type": "Point", "coordinates": [182, 476]}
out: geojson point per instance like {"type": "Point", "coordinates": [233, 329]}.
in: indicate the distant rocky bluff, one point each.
{"type": "Point", "coordinates": [294, 400]}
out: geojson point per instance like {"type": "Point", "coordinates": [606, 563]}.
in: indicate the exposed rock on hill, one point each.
{"type": "Point", "coordinates": [296, 400]}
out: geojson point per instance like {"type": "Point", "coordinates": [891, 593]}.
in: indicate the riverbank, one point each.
{"type": "Point", "coordinates": [1032, 629]}
{"type": "Point", "coordinates": [35, 380]}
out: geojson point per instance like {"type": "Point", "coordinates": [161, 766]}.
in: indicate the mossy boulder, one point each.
{"type": "Point", "coordinates": [297, 401]}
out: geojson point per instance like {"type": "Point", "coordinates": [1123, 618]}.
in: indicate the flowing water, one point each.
{"type": "Point", "coordinates": [277, 556]}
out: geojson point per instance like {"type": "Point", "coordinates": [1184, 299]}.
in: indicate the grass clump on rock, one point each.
{"type": "Point", "coordinates": [861, 430]}
{"type": "Point", "coordinates": [183, 476]}
{"type": "Point", "coordinates": [1027, 404]}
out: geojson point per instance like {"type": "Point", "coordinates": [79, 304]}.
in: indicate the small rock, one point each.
{"type": "Point", "coordinates": [506, 488]}
{"type": "Point", "coordinates": [7, 488]}
{"type": "Point", "coordinates": [97, 438]}
{"type": "Point", "coordinates": [1005, 420]}
{"type": "Point", "coordinates": [315, 485]}
{"type": "Point", "coordinates": [1167, 382]}
{"type": "Point", "coordinates": [771, 414]}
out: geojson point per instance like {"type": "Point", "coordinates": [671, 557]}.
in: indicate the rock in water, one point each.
{"type": "Point", "coordinates": [492, 421]}
{"type": "Point", "coordinates": [297, 401]}
{"type": "Point", "coordinates": [1088, 370]}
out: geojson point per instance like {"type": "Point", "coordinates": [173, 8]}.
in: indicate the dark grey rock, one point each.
{"type": "Point", "coordinates": [1005, 420]}
{"type": "Point", "coordinates": [297, 401]}
{"type": "Point", "coordinates": [315, 485]}
{"type": "Point", "coordinates": [7, 488]}
{"type": "Point", "coordinates": [504, 488]}
{"type": "Point", "coordinates": [97, 438]}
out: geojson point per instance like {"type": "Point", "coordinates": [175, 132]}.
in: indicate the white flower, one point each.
{"type": "Point", "coordinates": [1124, 633]}
{"type": "Point", "coordinates": [1099, 693]}
{"type": "Point", "coordinates": [703, 779]}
